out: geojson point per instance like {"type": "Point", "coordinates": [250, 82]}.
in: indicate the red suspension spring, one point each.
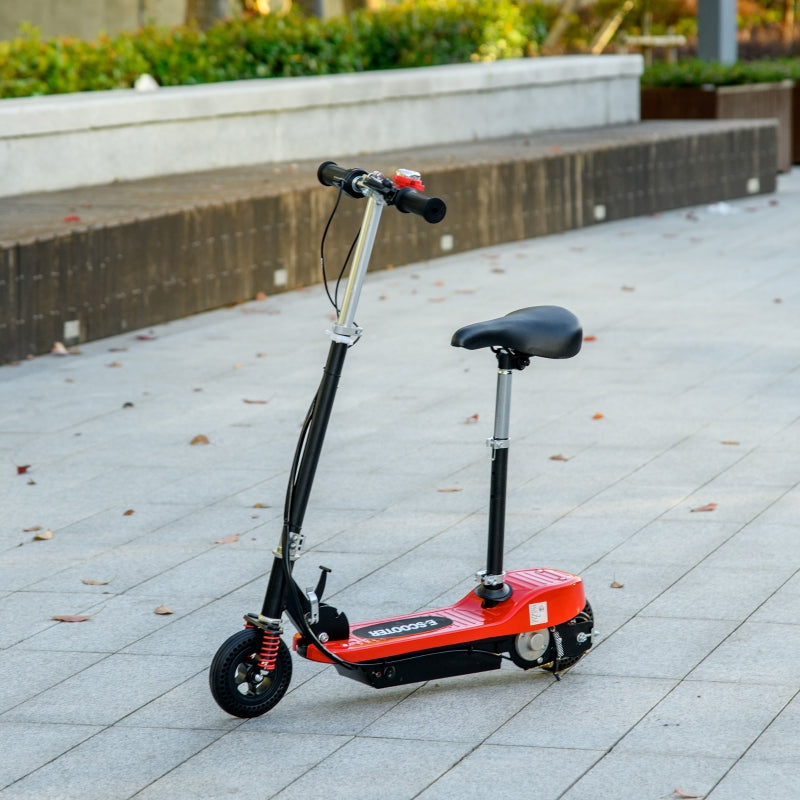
{"type": "Point", "coordinates": [269, 651]}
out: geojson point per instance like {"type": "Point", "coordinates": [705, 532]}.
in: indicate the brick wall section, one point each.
{"type": "Point", "coordinates": [152, 251]}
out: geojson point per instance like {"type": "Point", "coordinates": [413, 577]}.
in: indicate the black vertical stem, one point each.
{"type": "Point", "coordinates": [326, 394]}
{"type": "Point", "coordinates": [497, 513]}
{"type": "Point", "coordinates": [275, 597]}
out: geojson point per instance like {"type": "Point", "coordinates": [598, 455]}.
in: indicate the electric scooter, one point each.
{"type": "Point", "coordinates": [537, 618]}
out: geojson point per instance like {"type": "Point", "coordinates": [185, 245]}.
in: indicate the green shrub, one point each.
{"type": "Point", "coordinates": [698, 73]}
{"type": "Point", "coordinates": [411, 33]}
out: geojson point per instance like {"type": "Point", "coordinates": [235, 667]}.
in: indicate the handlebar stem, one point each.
{"type": "Point", "coordinates": [345, 329]}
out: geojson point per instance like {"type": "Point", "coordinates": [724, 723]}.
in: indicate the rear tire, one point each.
{"type": "Point", "coordinates": [239, 685]}
{"type": "Point", "coordinates": [587, 615]}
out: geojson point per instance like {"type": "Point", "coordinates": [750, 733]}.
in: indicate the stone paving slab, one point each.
{"type": "Point", "coordinates": [692, 687]}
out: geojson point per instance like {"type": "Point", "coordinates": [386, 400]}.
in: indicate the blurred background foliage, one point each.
{"type": "Point", "coordinates": [278, 38]}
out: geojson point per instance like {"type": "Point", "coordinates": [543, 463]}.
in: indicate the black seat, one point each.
{"type": "Point", "coordinates": [544, 331]}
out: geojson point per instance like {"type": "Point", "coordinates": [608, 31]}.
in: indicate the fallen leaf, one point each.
{"type": "Point", "coordinates": [590, 338]}
{"type": "Point", "coordinates": [70, 617]}
{"type": "Point", "coordinates": [43, 536]}
{"type": "Point", "coordinates": [261, 505]}
{"type": "Point", "coordinates": [163, 610]}
{"type": "Point", "coordinates": [615, 585]}
{"type": "Point", "coordinates": [237, 365]}
{"type": "Point", "coordinates": [127, 405]}
{"type": "Point", "coordinates": [559, 457]}
{"type": "Point", "coordinates": [774, 202]}
{"type": "Point", "coordinates": [498, 270]}
{"type": "Point", "coordinates": [707, 507]}
{"type": "Point", "coordinates": [438, 283]}
{"type": "Point", "coordinates": [31, 482]}
{"type": "Point", "coordinates": [117, 349]}
{"type": "Point", "coordinates": [114, 364]}
{"type": "Point", "coordinates": [255, 402]}
{"type": "Point", "coordinates": [436, 299]}
{"type": "Point", "coordinates": [146, 337]}
{"type": "Point", "coordinates": [72, 218]}
{"type": "Point", "coordinates": [32, 529]}
{"type": "Point", "coordinates": [128, 513]}
{"type": "Point", "coordinates": [22, 468]}
{"type": "Point", "coordinates": [598, 415]}
{"type": "Point", "coordinates": [628, 288]}
{"type": "Point", "coordinates": [261, 296]}
{"type": "Point", "coordinates": [682, 794]}
{"type": "Point", "coordinates": [730, 441]}
{"type": "Point", "coordinates": [58, 349]}
{"type": "Point", "coordinates": [228, 539]}
{"type": "Point", "coordinates": [94, 582]}
{"type": "Point", "coordinates": [200, 439]}
{"type": "Point", "coordinates": [450, 489]}
{"type": "Point", "coordinates": [471, 420]}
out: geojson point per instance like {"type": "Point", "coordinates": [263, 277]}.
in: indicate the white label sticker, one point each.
{"type": "Point", "coordinates": [538, 613]}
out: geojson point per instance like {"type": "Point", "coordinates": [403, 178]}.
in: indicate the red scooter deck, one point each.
{"type": "Point", "coordinates": [541, 598]}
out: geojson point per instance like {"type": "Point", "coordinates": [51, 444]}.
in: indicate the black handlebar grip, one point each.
{"type": "Point", "coordinates": [329, 173]}
{"type": "Point", "coordinates": [410, 201]}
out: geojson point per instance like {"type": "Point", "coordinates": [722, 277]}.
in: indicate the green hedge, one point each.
{"type": "Point", "coordinates": [694, 72]}
{"type": "Point", "coordinates": [412, 33]}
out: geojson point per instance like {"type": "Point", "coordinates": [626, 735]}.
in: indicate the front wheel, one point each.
{"type": "Point", "coordinates": [238, 683]}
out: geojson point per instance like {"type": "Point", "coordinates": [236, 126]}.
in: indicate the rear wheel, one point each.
{"type": "Point", "coordinates": [239, 685]}
{"type": "Point", "coordinates": [586, 621]}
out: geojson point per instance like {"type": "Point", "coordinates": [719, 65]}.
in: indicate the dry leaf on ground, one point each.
{"type": "Point", "coordinates": [70, 617]}
{"type": "Point", "coordinates": [471, 420]}
{"type": "Point", "coordinates": [22, 468]}
{"type": "Point", "coordinates": [130, 512]}
{"type": "Point", "coordinates": [450, 489]}
{"type": "Point", "coordinates": [598, 415]}
{"type": "Point", "coordinates": [228, 539]}
{"type": "Point", "coordinates": [615, 585]}
{"type": "Point", "coordinates": [255, 402]}
{"type": "Point", "coordinates": [32, 529]}
{"type": "Point", "coordinates": [163, 610]}
{"type": "Point", "coordinates": [94, 582]}
{"type": "Point", "coordinates": [200, 439]}
{"type": "Point", "coordinates": [706, 507]}
{"type": "Point", "coordinates": [58, 349]}
{"type": "Point", "coordinates": [559, 457]}
{"type": "Point", "coordinates": [43, 536]}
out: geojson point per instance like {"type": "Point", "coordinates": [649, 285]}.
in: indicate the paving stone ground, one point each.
{"type": "Point", "coordinates": [692, 687]}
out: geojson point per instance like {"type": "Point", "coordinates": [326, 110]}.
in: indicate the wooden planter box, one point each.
{"type": "Point", "coordinates": [750, 101]}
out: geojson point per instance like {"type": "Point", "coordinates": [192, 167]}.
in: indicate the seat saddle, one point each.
{"type": "Point", "coordinates": [544, 331]}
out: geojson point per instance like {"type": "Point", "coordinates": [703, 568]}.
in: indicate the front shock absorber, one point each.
{"type": "Point", "coordinates": [268, 654]}
{"type": "Point", "coordinates": [270, 641]}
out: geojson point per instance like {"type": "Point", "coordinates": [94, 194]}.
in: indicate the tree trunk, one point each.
{"type": "Point", "coordinates": [787, 24]}
{"type": "Point", "coordinates": [206, 12]}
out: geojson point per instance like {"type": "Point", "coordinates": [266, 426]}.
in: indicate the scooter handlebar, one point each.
{"type": "Point", "coordinates": [406, 199]}
{"type": "Point", "coordinates": [330, 173]}
{"type": "Point", "coordinates": [410, 201]}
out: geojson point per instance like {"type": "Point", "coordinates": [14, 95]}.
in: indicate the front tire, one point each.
{"type": "Point", "coordinates": [239, 685]}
